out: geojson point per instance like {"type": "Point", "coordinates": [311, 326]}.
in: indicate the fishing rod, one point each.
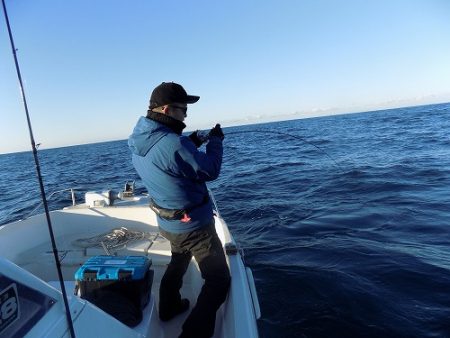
{"type": "Point", "coordinates": [39, 175]}
{"type": "Point", "coordinates": [205, 136]}
{"type": "Point", "coordinates": [289, 135]}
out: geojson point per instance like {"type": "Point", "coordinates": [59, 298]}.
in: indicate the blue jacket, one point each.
{"type": "Point", "coordinates": [174, 171]}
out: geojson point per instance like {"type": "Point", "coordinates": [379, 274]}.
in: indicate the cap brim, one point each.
{"type": "Point", "coordinates": [192, 98]}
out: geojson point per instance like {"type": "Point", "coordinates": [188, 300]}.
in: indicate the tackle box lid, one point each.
{"type": "Point", "coordinates": [114, 268]}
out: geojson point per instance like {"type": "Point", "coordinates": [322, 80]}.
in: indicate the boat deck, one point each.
{"type": "Point", "coordinates": [79, 232]}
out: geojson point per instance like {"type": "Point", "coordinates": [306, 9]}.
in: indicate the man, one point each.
{"type": "Point", "coordinates": [174, 173]}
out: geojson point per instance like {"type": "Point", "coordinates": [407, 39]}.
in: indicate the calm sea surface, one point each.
{"type": "Point", "coordinates": [345, 220]}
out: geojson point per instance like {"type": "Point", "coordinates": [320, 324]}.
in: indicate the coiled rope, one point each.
{"type": "Point", "coordinates": [114, 239]}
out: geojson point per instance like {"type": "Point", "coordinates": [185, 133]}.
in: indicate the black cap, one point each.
{"type": "Point", "coordinates": [170, 92]}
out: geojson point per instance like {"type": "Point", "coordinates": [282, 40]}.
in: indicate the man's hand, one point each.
{"type": "Point", "coordinates": [196, 139]}
{"type": "Point", "coordinates": [217, 131]}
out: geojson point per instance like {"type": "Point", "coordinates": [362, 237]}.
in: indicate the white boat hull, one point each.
{"type": "Point", "coordinates": [28, 261]}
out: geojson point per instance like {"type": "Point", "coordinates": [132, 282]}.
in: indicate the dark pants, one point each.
{"type": "Point", "coordinates": [207, 250]}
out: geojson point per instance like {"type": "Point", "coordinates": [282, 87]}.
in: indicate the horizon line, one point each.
{"type": "Point", "coordinates": [260, 119]}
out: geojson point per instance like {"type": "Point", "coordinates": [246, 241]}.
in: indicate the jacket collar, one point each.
{"type": "Point", "coordinates": [175, 125]}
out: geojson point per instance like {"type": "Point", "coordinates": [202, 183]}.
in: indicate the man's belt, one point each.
{"type": "Point", "coordinates": [176, 214]}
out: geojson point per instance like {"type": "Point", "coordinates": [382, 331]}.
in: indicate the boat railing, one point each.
{"type": "Point", "coordinates": [211, 195]}
{"type": "Point", "coordinates": [127, 191]}
{"type": "Point", "coordinates": [72, 192]}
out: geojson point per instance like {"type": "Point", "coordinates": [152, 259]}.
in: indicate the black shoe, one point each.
{"type": "Point", "coordinates": [166, 316]}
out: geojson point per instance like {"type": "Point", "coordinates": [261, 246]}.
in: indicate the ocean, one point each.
{"type": "Point", "coordinates": [344, 220]}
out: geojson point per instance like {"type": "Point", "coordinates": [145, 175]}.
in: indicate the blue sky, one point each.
{"type": "Point", "coordinates": [90, 66]}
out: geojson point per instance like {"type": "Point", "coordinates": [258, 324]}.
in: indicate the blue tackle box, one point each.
{"type": "Point", "coordinates": [119, 285]}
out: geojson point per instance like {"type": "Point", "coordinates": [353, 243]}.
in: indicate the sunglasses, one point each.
{"type": "Point", "coordinates": [182, 108]}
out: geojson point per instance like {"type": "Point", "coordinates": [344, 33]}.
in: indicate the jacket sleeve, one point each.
{"type": "Point", "coordinates": [198, 165]}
